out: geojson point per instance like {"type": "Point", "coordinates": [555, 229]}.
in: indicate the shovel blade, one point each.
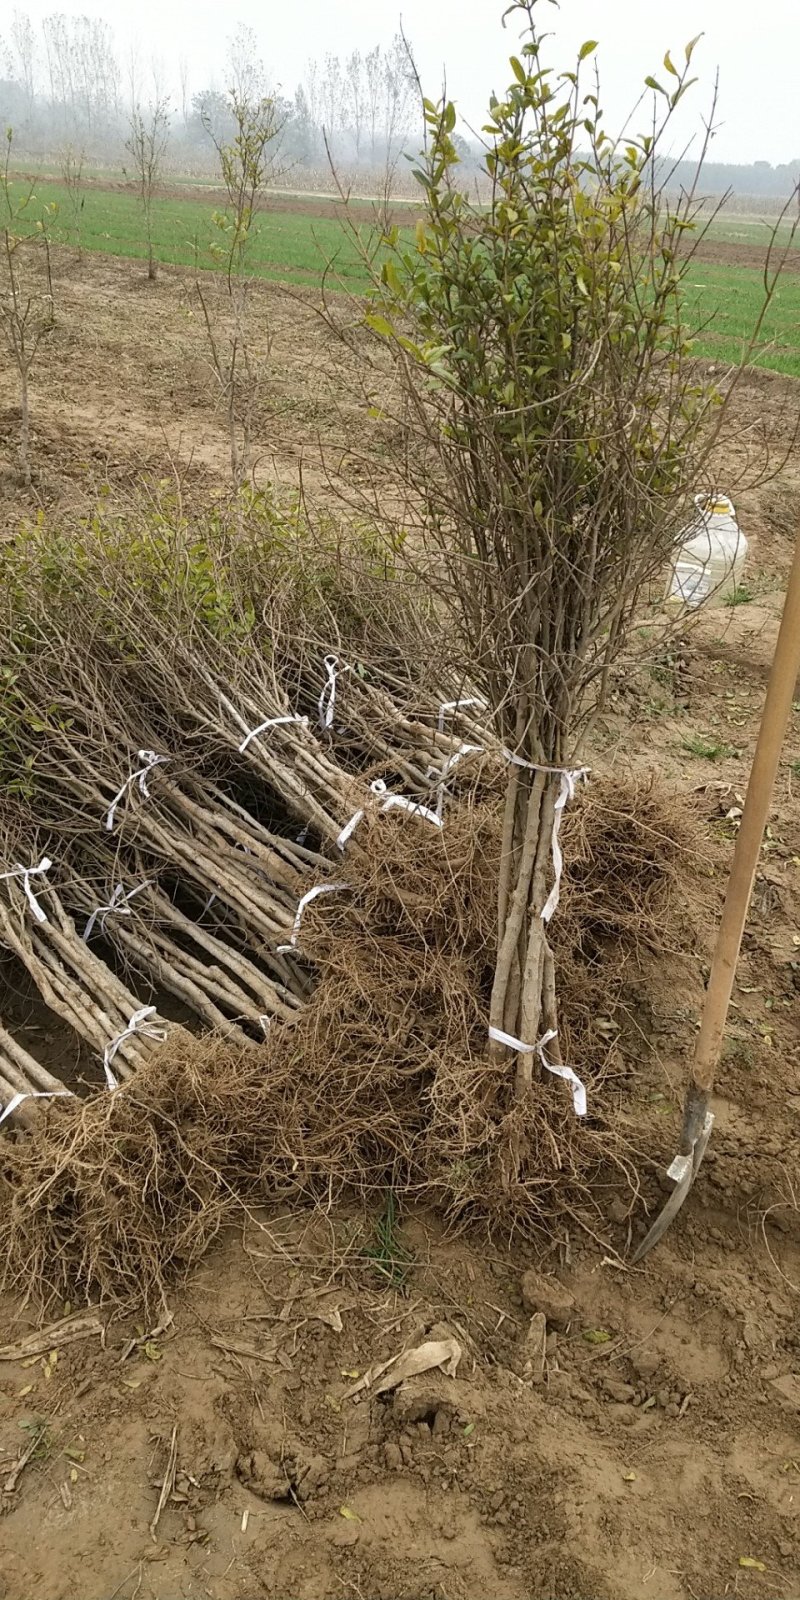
{"type": "Point", "coordinates": [679, 1193]}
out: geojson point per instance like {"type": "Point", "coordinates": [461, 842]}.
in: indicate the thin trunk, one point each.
{"type": "Point", "coordinates": [152, 264]}
{"type": "Point", "coordinates": [24, 425]}
{"type": "Point", "coordinates": [523, 978]}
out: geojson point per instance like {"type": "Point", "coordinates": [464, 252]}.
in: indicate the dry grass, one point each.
{"type": "Point", "coordinates": [384, 1080]}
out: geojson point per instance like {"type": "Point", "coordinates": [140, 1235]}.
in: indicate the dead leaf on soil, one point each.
{"type": "Point", "coordinates": [332, 1317]}
{"type": "Point", "coordinates": [445, 1353]}
{"type": "Point", "coordinates": [751, 1564]}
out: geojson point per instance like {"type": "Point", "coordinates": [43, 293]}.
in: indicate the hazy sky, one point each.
{"type": "Point", "coordinates": [757, 49]}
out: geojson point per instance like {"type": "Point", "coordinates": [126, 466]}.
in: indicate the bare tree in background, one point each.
{"type": "Point", "coordinates": [83, 72]}
{"type": "Point", "coordinates": [332, 97]}
{"type": "Point", "coordinates": [312, 93]}
{"type": "Point", "coordinates": [147, 146]}
{"type": "Point", "coordinates": [248, 166]}
{"type": "Point", "coordinates": [247, 74]}
{"type": "Point", "coordinates": [354, 97]}
{"type": "Point", "coordinates": [183, 76]}
{"type": "Point", "coordinates": [373, 73]}
{"type": "Point", "coordinates": [26, 287]}
{"type": "Point", "coordinates": [24, 47]}
{"type": "Point", "coordinates": [399, 91]}
{"type": "Point", "coordinates": [70, 163]}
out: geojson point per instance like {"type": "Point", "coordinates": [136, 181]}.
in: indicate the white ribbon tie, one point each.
{"type": "Point", "coordinates": [570, 1077]}
{"type": "Point", "coordinates": [139, 1023]}
{"type": "Point", "coordinates": [26, 873]}
{"type": "Point", "coordinates": [271, 722]}
{"type": "Point", "coordinates": [457, 705]}
{"type": "Point", "coordinates": [149, 760]}
{"type": "Point", "coordinates": [119, 904]}
{"type": "Point", "coordinates": [321, 888]}
{"type": "Point", "coordinates": [327, 699]}
{"type": "Point", "coordinates": [33, 1094]}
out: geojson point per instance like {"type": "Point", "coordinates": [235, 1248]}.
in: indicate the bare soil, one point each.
{"type": "Point", "coordinates": [727, 253]}
{"type": "Point", "coordinates": [662, 1448]}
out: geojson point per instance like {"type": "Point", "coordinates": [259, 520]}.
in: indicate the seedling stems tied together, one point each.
{"type": "Point", "coordinates": [557, 425]}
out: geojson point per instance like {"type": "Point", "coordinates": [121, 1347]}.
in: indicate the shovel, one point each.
{"type": "Point", "coordinates": [697, 1115]}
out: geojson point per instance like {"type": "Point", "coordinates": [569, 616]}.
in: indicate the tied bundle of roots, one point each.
{"type": "Point", "coordinates": [183, 743]}
{"type": "Point", "coordinates": [384, 1079]}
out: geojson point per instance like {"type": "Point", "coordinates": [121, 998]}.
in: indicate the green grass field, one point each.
{"type": "Point", "coordinates": [724, 298]}
{"type": "Point", "coordinates": [285, 245]}
{"type": "Point", "coordinates": [725, 302]}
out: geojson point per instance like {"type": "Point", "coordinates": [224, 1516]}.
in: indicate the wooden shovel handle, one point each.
{"type": "Point", "coordinates": [777, 706]}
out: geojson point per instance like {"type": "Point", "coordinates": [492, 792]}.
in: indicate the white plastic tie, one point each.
{"type": "Point", "coordinates": [118, 904]}
{"type": "Point", "coordinates": [349, 828]}
{"type": "Point", "coordinates": [327, 699]}
{"type": "Point", "coordinates": [391, 802]}
{"type": "Point", "coordinates": [566, 793]}
{"type": "Point", "coordinates": [413, 808]}
{"type": "Point", "coordinates": [311, 894]}
{"type": "Point", "coordinates": [458, 705]}
{"type": "Point", "coordinates": [271, 722]}
{"type": "Point", "coordinates": [570, 776]}
{"type": "Point", "coordinates": [570, 1077]}
{"type": "Point", "coordinates": [33, 1094]}
{"type": "Point", "coordinates": [149, 760]}
{"type": "Point", "coordinates": [26, 873]}
{"type": "Point", "coordinates": [139, 1023]}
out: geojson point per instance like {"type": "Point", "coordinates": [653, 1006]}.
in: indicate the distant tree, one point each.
{"type": "Point", "coordinates": [26, 292]}
{"type": "Point", "coordinates": [246, 72]}
{"type": "Point", "coordinates": [332, 97]}
{"type": "Point", "coordinates": [248, 166]}
{"type": "Point", "coordinates": [183, 78]}
{"type": "Point", "coordinates": [300, 141]}
{"type": "Point", "coordinates": [146, 145]}
{"type": "Point", "coordinates": [70, 163]}
{"type": "Point", "coordinates": [354, 97]}
{"type": "Point", "coordinates": [373, 75]}
{"type": "Point", "coordinates": [212, 116]}
{"type": "Point", "coordinates": [83, 72]}
{"type": "Point", "coordinates": [399, 93]}
{"type": "Point", "coordinates": [23, 41]}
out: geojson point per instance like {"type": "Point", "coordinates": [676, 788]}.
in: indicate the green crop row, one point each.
{"type": "Point", "coordinates": [724, 300]}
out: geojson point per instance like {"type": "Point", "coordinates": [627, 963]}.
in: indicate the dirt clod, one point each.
{"type": "Point", "coordinates": [549, 1297]}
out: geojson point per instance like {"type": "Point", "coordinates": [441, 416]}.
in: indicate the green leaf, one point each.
{"type": "Point", "coordinates": [390, 276]}
{"type": "Point", "coordinates": [596, 1336]}
{"type": "Point", "coordinates": [380, 325]}
{"type": "Point", "coordinates": [587, 48]}
{"type": "Point", "coordinates": [449, 117]}
{"type": "Point", "coordinates": [669, 65]}
{"type": "Point", "coordinates": [690, 46]}
{"type": "Point", "coordinates": [652, 83]}
{"type": "Point", "coordinates": [518, 70]}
